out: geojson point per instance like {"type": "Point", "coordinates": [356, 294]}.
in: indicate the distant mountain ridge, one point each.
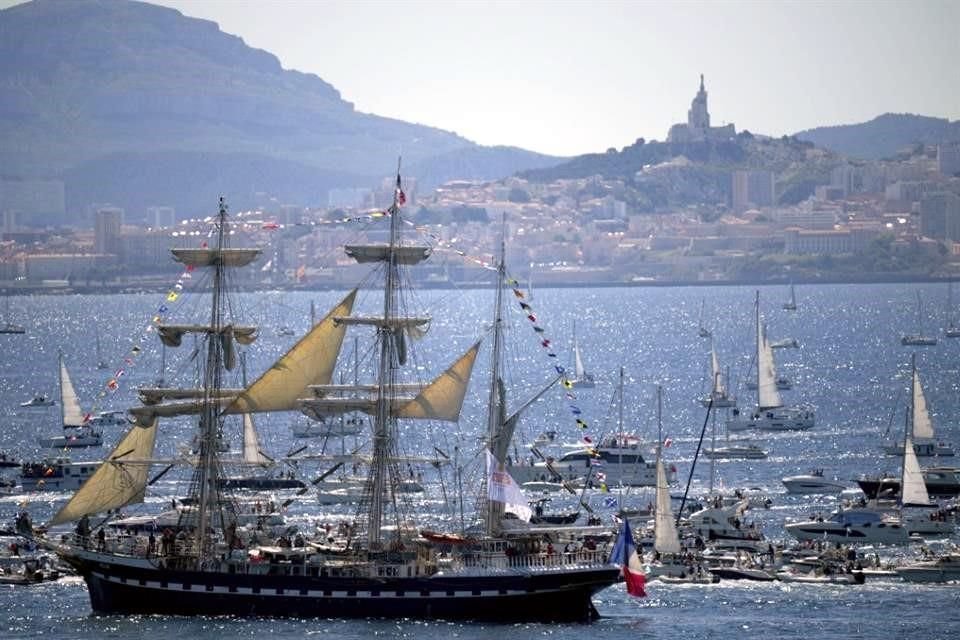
{"type": "Point", "coordinates": [883, 136]}
{"type": "Point", "coordinates": [91, 87]}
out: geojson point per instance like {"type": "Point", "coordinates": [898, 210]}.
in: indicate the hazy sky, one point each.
{"type": "Point", "coordinates": [567, 77]}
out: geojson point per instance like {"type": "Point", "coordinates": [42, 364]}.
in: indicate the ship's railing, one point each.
{"type": "Point", "coordinates": [530, 561]}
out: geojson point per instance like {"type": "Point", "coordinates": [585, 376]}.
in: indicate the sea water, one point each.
{"type": "Point", "coordinates": [850, 367]}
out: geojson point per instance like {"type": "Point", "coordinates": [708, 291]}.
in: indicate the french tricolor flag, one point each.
{"type": "Point", "coordinates": [625, 554]}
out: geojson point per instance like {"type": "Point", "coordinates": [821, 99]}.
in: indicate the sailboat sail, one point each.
{"type": "Point", "coordinates": [719, 388]}
{"type": "Point", "coordinates": [70, 405]}
{"type": "Point", "coordinates": [251, 443]}
{"type": "Point", "coordinates": [666, 539]}
{"type": "Point", "coordinates": [443, 398]}
{"type": "Point", "coordinates": [577, 360]}
{"type": "Point", "coordinates": [922, 425]}
{"type": "Point", "coordinates": [768, 397]}
{"type": "Point", "coordinates": [914, 488]}
{"type": "Point", "coordinates": [119, 481]}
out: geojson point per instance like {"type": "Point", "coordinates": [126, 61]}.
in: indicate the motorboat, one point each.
{"type": "Point", "coordinates": [725, 524]}
{"type": "Point", "coordinates": [733, 452]}
{"type": "Point", "coordinates": [812, 482]}
{"type": "Point", "coordinates": [849, 527]}
{"type": "Point", "coordinates": [39, 400]}
{"type": "Point", "coordinates": [942, 568]}
{"type": "Point", "coordinates": [55, 474]}
{"type": "Point", "coordinates": [109, 419]}
{"type": "Point", "coordinates": [73, 439]}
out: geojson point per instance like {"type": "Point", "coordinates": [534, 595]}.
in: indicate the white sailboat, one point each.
{"type": "Point", "coordinates": [791, 304]}
{"type": "Point", "coordinates": [718, 395]}
{"type": "Point", "coordinates": [770, 413]}
{"type": "Point", "coordinates": [923, 438]}
{"type": "Point", "coordinates": [77, 430]}
{"type": "Point", "coordinates": [6, 326]}
{"type": "Point", "coordinates": [581, 378]}
{"type": "Point", "coordinates": [702, 331]}
{"type": "Point", "coordinates": [101, 364]}
{"type": "Point", "coordinates": [952, 330]}
{"type": "Point", "coordinates": [918, 339]}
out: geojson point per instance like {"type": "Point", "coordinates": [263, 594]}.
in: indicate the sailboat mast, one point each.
{"type": "Point", "coordinates": [63, 405]}
{"type": "Point", "coordinates": [756, 311]}
{"type": "Point", "coordinates": [495, 508]}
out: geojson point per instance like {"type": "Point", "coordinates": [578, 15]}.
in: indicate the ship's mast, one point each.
{"type": "Point", "coordinates": [208, 467]}
{"type": "Point", "coordinates": [494, 409]}
{"type": "Point", "coordinates": [382, 437]}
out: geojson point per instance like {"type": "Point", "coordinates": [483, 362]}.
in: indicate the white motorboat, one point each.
{"type": "Point", "coordinates": [943, 568]}
{"type": "Point", "coordinates": [109, 419]}
{"type": "Point", "coordinates": [725, 524]}
{"type": "Point", "coordinates": [851, 527]}
{"type": "Point", "coordinates": [770, 413]}
{"type": "Point", "coordinates": [813, 482]}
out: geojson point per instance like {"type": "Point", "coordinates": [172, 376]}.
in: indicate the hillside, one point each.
{"type": "Point", "coordinates": [883, 136]}
{"type": "Point", "coordinates": [87, 86]}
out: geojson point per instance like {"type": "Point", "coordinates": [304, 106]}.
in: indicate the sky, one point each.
{"type": "Point", "coordinates": [566, 77]}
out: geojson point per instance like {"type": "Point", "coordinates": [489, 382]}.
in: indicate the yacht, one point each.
{"type": "Point", "coordinates": [38, 400]}
{"type": "Point", "coordinates": [943, 568]}
{"type": "Point", "coordinates": [941, 482]}
{"type": "Point", "coordinates": [851, 527]}
{"type": "Point", "coordinates": [812, 482]}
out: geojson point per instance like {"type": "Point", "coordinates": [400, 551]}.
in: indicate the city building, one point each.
{"type": "Point", "coordinates": [948, 159]}
{"type": "Point", "coordinates": [108, 222]}
{"type": "Point", "coordinates": [752, 189]}
{"type": "Point", "coordinates": [161, 217]}
{"type": "Point", "coordinates": [940, 216]}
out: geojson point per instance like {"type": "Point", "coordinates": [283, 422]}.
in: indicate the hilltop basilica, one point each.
{"type": "Point", "coordinates": [697, 128]}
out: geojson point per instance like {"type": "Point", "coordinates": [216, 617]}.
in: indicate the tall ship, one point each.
{"type": "Point", "coordinates": [770, 413]}
{"type": "Point", "coordinates": [378, 565]}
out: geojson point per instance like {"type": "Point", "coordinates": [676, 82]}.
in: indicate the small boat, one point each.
{"type": "Point", "coordinates": [791, 304]}
{"type": "Point", "coordinates": [952, 330]}
{"type": "Point", "coordinates": [918, 339]}
{"type": "Point", "coordinates": [718, 397]}
{"type": "Point", "coordinates": [735, 452]}
{"type": "Point", "coordinates": [39, 400]}
{"type": "Point", "coordinates": [7, 460]}
{"type": "Point", "coordinates": [812, 483]}
{"type": "Point", "coordinates": [702, 331]}
{"type": "Point", "coordinates": [581, 378]}
{"type": "Point", "coordinates": [814, 577]}
{"type": "Point", "coordinates": [942, 568]}
{"type": "Point", "coordinates": [7, 326]}
{"type": "Point", "coordinates": [109, 419]}
{"type": "Point", "coordinates": [786, 343]}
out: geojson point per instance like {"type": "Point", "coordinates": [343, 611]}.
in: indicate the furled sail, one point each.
{"type": "Point", "coordinates": [310, 361]}
{"type": "Point", "coordinates": [768, 397]}
{"type": "Point", "coordinates": [922, 426]}
{"type": "Point", "coordinates": [666, 539]}
{"type": "Point", "coordinates": [120, 480]}
{"type": "Point", "coordinates": [208, 257]}
{"type": "Point", "coordinates": [442, 399]}
{"type": "Point", "coordinates": [172, 334]}
{"type": "Point", "coordinates": [914, 487]}
{"type": "Point", "coordinates": [70, 405]}
{"type": "Point", "coordinates": [155, 395]}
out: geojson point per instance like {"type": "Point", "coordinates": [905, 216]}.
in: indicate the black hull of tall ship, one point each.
{"type": "Point", "coordinates": [539, 597]}
{"type": "Point", "coordinates": [890, 487]}
{"type": "Point", "coordinates": [258, 483]}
